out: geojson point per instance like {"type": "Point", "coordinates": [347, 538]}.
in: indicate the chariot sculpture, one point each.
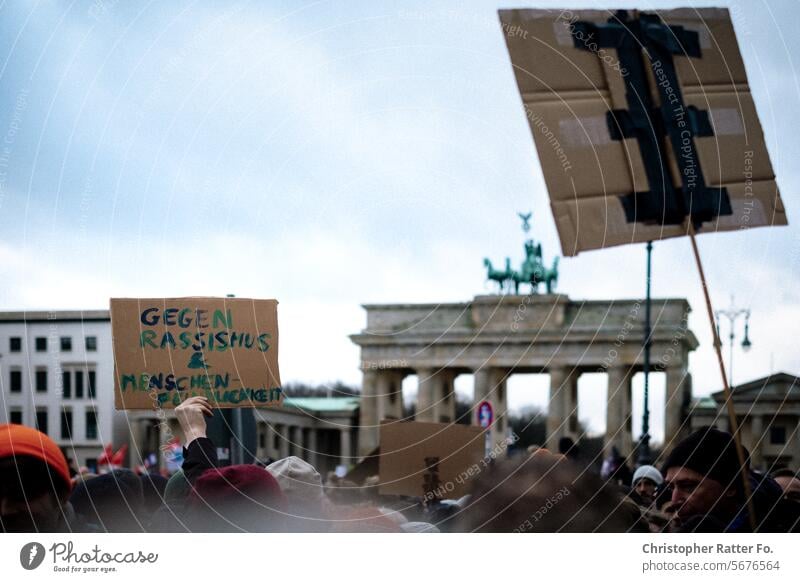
{"type": "Point", "coordinates": [532, 271]}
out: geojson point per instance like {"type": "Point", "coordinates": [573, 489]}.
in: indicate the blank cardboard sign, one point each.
{"type": "Point", "coordinates": [429, 459]}
{"type": "Point", "coordinates": [167, 350]}
{"type": "Point", "coordinates": [567, 92]}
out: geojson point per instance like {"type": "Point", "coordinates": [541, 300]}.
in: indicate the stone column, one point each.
{"type": "Point", "coordinates": [436, 401]}
{"type": "Point", "coordinates": [368, 415]}
{"type": "Point", "coordinates": [446, 405]}
{"type": "Point", "coordinates": [283, 440]}
{"type": "Point", "coordinates": [675, 429]}
{"type": "Point", "coordinates": [297, 441]}
{"type": "Point", "coordinates": [756, 441]}
{"type": "Point", "coordinates": [562, 410]}
{"type": "Point", "coordinates": [311, 453]}
{"type": "Point", "coordinates": [483, 385]}
{"type": "Point", "coordinates": [389, 394]}
{"type": "Point", "coordinates": [500, 405]}
{"type": "Point", "coordinates": [345, 447]}
{"type": "Point", "coordinates": [426, 395]}
{"type": "Point", "coordinates": [618, 410]}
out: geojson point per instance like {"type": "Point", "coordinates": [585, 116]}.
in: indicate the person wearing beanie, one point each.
{"type": "Point", "coordinates": [704, 477]}
{"type": "Point", "coordinates": [299, 481]}
{"type": "Point", "coordinates": [111, 502]}
{"type": "Point", "coordinates": [235, 499]}
{"type": "Point", "coordinates": [646, 480]}
{"type": "Point", "coordinates": [36, 482]}
{"type": "Point", "coordinates": [302, 485]}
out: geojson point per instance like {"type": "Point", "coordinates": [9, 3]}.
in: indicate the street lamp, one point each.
{"type": "Point", "coordinates": [732, 314]}
{"type": "Point", "coordinates": [644, 440]}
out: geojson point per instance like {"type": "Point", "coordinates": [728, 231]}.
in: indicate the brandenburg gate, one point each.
{"type": "Point", "coordinates": [496, 336]}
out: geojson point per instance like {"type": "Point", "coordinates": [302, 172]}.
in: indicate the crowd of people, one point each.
{"type": "Point", "coordinates": [700, 487]}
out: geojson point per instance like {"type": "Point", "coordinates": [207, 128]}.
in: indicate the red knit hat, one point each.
{"type": "Point", "coordinates": [17, 440]}
{"type": "Point", "coordinates": [238, 483]}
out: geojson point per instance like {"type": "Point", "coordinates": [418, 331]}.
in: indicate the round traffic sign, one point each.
{"type": "Point", "coordinates": [485, 414]}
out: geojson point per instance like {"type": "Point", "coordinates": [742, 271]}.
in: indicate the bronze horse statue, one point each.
{"type": "Point", "coordinates": [498, 276]}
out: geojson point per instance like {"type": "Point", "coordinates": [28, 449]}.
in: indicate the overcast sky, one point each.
{"type": "Point", "coordinates": [331, 154]}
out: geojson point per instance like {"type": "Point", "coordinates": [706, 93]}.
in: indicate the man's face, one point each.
{"type": "Point", "coordinates": [646, 489]}
{"type": "Point", "coordinates": [693, 494]}
{"type": "Point", "coordinates": [790, 486]}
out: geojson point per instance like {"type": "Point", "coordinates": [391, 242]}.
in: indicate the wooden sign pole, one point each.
{"type": "Point", "coordinates": [734, 424]}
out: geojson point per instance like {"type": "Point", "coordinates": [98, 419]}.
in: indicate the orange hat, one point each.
{"type": "Point", "coordinates": [17, 440]}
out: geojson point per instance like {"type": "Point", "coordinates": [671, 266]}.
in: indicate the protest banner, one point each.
{"type": "Point", "coordinates": [167, 350]}
{"type": "Point", "coordinates": [581, 104]}
{"type": "Point", "coordinates": [429, 459]}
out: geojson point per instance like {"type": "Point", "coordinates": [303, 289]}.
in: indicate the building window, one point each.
{"type": "Point", "coordinates": [41, 379]}
{"type": "Point", "coordinates": [66, 344]}
{"type": "Point", "coordinates": [66, 424]}
{"type": "Point", "coordinates": [78, 383]}
{"type": "Point", "coordinates": [16, 380]}
{"type": "Point", "coordinates": [91, 424]}
{"type": "Point", "coordinates": [15, 344]}
{"type": "Point", "coordinates": [92, 383]}
{"type": "Point", "coordinates": [66, 384]}
{"type": "Point", "coordinates": [276, 439]}
{"type": "Point", "coordinates": [41, 344]}
{"type": "Point", "coordinates": [91, 343]}
{"type": "Point", "coordinates": [15, 417]}
{"type": "Point", "coordinates": [41, 420]}
{"type": "Point", "coordinates": [262, 440]}
{"type": "Point", "coordinates": [777, 435]}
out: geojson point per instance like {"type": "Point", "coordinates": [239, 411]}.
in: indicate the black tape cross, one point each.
{"type": "Point", "coordinates": [644, 42]}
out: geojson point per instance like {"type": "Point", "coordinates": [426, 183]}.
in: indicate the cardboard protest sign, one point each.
{"type": "Point", "coordinates": [429, 459]}
{"type": "Point", "coordinates": [570, 81]}
{"type": "Point", "coordinates": [167, 350]}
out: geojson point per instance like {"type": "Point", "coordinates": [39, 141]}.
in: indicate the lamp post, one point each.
{"type": "Point", "coordinates": [732, 314]}
{"type": "Point", "coordinates": [644, 440]}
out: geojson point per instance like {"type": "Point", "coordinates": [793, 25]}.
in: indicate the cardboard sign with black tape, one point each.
{"type": "Point", "coordinates": [430, 460]}
{"type": "Point", "coordinates": [576, 88]}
